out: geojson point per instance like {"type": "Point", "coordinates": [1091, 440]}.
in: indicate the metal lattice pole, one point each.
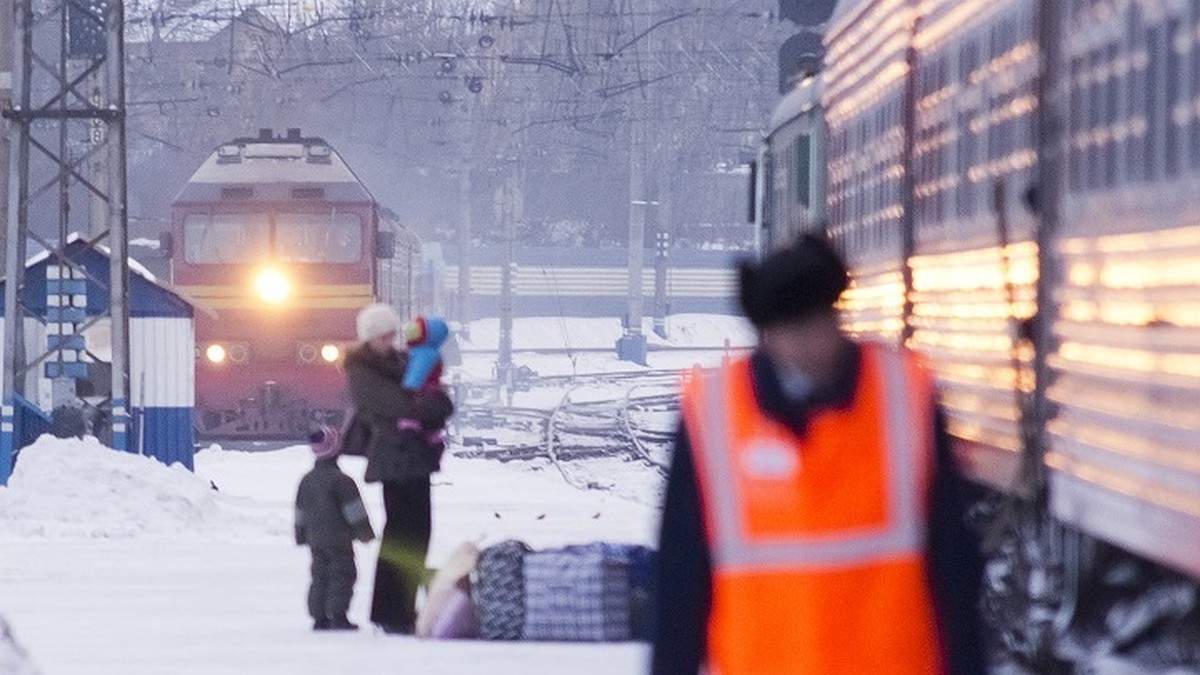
{"type": "Point", "coordinates": [55, 54]}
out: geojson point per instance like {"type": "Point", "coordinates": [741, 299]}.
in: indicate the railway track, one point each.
{"type": "Point", "coordinates": [604, 433]}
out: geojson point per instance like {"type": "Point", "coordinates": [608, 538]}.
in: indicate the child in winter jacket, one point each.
{"type": "Point", "coordinates": [425, 336]}
{"type": "Point", "coordinates": [329, 516]}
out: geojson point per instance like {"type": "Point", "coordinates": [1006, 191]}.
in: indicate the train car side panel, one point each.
{"type": "Point", "coordinates": [1125, 455]}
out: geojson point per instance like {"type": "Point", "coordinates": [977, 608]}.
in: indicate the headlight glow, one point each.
{"type": "Point", "coordinates": [215, 353]}
{"type": "Point", "coordinates": [330, 353]}
{"type": "Point", "coordinates": [273, 286]}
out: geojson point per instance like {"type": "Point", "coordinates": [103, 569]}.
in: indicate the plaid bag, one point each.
{"type": "Point", "coordinates": [642, 570]}
{"type": "Point", "coordinates": [579, 593]}
{"type": "Point", "coordinates": [498, 590]}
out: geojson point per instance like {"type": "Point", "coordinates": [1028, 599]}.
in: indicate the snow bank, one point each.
{"type": "Point", "coordinates": [79, 488]}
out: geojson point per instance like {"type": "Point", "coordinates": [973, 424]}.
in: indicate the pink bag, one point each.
{"type": "Point", "coordinates": [457, 618]}
{"type": "Point", "coordinates": [447, 612]}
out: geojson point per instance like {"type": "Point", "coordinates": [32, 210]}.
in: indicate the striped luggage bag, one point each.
{"type": "Point", "coordinates": [643, 568]}
{"type": "Point", "coordinates": [578, 593]}
{"type": "Point", "coordinates": [498, 591]}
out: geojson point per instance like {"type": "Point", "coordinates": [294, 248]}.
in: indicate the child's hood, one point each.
{"type": "Point", "coordinates": [427, 332]}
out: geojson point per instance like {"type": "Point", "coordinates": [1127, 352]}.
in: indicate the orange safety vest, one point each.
{"type": "Point", "coordinates": [818, 542]}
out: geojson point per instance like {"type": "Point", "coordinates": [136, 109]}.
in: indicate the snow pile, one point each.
{"type": "Point", "coordinates": [79, 488]}
{"type": "Point", "coordinates": [13, 659]}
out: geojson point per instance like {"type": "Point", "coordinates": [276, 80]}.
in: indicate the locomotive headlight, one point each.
{"type": "Point", "coordinates": [330, 353]}
{"type": "Point", "coordinates": [215, 353]}
{"type": "Point", "coordinates": [273, 286]}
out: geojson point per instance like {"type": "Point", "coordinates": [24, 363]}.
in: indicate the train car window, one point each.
{"type": "Point", "coordinates": [1154, 111]}
{"type": "Point", "coordinates": [941, 170]}
{"type": "Point", "coordinates": [965, 150]}
{"type": "Point", "coordinates": [1075, 159]}
{"type": "Point", "coordinates": [967, 138]}
{"type": "Point", "coordinates": [1134, 149]}
{"type": "Point", "coordinates": [1194, 145]}
{"type": "Point", "coordinates": [1112, 115]}
{"type": "Point", "coordinates": [1095, 121]}
{"type": "Point", "coordinates": [804, 170]}
{"type": "Point", "coordinates": [318, 237]}
{"type": "Point", "coordinates": [1172, 92]}
{"type": "Point", "coordinates": [226, 238]}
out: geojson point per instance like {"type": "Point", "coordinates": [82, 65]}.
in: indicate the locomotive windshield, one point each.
{"type": "Point", "coordinates": [226, 237]}
{"type": "Point", "coordinates": [230, 238]}
{"type": "Point", "coordinates": [318, 237]}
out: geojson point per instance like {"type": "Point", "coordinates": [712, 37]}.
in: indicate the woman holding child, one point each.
{"type": "Point", "coordinates": [398, 427]}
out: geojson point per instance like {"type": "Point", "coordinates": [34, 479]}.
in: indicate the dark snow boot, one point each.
{"type": "Point", "coordinates": [321, 624]}
{"type": "Point", "coordinates": [341, 623]}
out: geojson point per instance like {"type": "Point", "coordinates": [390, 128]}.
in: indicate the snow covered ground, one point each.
{"type": "Point", "coordinates": [114, 564]}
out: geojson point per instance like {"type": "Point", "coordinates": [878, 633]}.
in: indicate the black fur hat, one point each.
{"type": "Point", "coordinates": [802, 279]}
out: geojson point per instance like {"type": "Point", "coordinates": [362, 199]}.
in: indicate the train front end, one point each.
{"type": "Point", "coordinates": [275, 240]}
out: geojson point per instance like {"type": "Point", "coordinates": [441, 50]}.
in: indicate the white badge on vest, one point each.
{"type": "Point", "coordinates": [770, 460]}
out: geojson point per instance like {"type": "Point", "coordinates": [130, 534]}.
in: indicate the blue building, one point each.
{"type": "Point", "coordinates": [161, 347]}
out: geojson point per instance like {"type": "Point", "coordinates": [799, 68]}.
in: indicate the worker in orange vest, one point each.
{"type": "Point", "coordinates": [814, 515]}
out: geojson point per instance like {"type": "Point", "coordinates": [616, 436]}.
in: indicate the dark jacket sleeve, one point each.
{"type": "Point", "coordinates": [955, 564]}
{"type": "Point", "coordinates": [353, 509]}
{"type": "Point", "coordinates": [301, 514]}
{"type": "Point", "coordinates": [382, 398]}
{"type": "Point", "coordinates": [683, 589]}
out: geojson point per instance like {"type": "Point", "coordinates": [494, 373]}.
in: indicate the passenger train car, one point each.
{"type": "Point", "coordinates": [791, 174]}
{"type": "Point", "coordinates": [279, 245]}
{"type": "Point", "coordinates": [1015, 186]}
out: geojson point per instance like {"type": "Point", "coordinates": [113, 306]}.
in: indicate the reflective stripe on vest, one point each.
{"type": "Point", "coordinates": [903, 531]}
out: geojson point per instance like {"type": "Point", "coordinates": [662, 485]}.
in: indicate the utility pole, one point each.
{"type": "Point", "coordinates": [632, 345]}
{"type": "Point", "coordinates": [662, 245]}
{"type": "Point", "coordinates": [662, 251]}
{"type": "Point", "coordinates": [464, 251]}
{"type": "Point", "coordinates": [7, 51]}
{"type": "Point", "coordinates": [511, 210]}
{"type": "Point", "coordinates": [51, 109]}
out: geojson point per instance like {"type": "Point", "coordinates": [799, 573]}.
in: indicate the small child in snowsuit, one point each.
{"type": "Point", "coordinates": [425, 336]}
{"type": "Point", "coordinates": [329, 516]}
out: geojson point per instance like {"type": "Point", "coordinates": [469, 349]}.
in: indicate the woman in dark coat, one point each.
{"type": "Point", "coordinates": [402, 461]}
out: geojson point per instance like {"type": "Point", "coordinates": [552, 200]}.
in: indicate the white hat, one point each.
{"type": "Point", "coordinates": [376, 321]}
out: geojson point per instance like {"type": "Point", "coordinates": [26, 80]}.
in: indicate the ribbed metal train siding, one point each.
{"type": "Point", "coordinates": [163, 387]}
{"type": "Point", "coordinates": [1125, 445]}
{"type": "Point", "coordinates": [864, 97]}
{"type": "Point", "coordinates": [971, 72]}
{"type": "Point", "coordinates": [974, 106]}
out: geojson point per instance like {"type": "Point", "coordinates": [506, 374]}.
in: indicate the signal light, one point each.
{"type": "Point", "coordinates": [215, 354]}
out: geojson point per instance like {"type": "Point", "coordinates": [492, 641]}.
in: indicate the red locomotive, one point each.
{"type": "Point", "coordinates": [279, 244]}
